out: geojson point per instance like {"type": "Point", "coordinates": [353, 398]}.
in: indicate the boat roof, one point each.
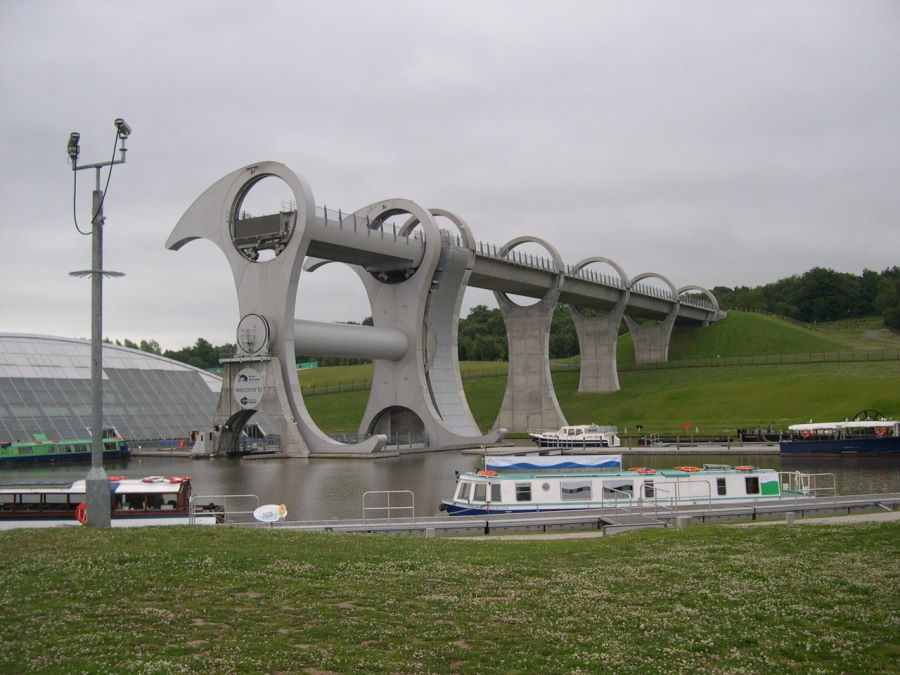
{"type": "Point", "coordinates": [125, 486]}
{"type": "Point", "coordinates": [847, 424]}
{"type": "Point", "coordinates": [621, 473]}
{"type": "Point", "coordinates": [508, 463]}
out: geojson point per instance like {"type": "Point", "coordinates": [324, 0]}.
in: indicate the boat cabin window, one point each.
{"type": "Point", "coordinates": [523, 492]}
{"type": "Point", "coordinates": [479, 494]}
{"type": "Point", "coordinates": [575, 490]}
{"type": "Point", "coordinates": [648, 489]}
{"type": "Point", "coordinates": [752, 483]}
{"type": "Point", "coordinates": [495, 492]}
{"type": "Point", "coordinates": [618, 489]}
{"type": "Point", "coordinates": [720, 486]}
{"type": "Point", "coordinates": [463, 492]}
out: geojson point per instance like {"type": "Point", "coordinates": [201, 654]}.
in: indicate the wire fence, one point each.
{"type": "Point", "coordinates": [499, 369]}
{"type": "Point", "coordinates": [849, 356]}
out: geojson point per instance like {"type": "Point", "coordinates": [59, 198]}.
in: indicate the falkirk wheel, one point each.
{"type": "Point", "coordinates": [415, 277]}
{"type": "Point", "coordinates": [415, 296]}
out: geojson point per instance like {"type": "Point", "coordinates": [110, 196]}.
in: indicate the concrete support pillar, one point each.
{"type": "Point", "coordinates": [598, 337]}
{"type": "Point", "coordinates": [529, 402]}
{"type": "Point", "coordinates": [651, 343]}
{"type": "Point", "coordinates": [598, 340]}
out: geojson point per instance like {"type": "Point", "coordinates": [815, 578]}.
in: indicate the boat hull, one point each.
{"type": "Point", "coordinates": [48, 458]}
{"type": "Point", "coordinates": [842, 447]}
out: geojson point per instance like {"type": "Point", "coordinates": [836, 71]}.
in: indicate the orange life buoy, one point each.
{"type": "Point", "coordinates": [81, 513]}
{"type": "Point", "coordinates": [153, 479]}
{"type": "Point", "coordinates": [488, 472]}
{"type": "Point", "coordinates": [643, 469]}
{"type": "Point", "coordinates": [882, 431]}
{"type": "Point", "coordinates": [689, 469]}
{"type": "Point", "coordinates": [114, 479]}
{"type": "Point", "coordinates": [745, 468]}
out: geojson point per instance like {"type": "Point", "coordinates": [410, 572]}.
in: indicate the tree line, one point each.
{"type": "Point", "coordinates": [819, 295]}
{"type": "Point", "coordinates": [822, 295]}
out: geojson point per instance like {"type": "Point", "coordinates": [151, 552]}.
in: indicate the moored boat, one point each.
{"type": "Point", "coordinates": [578, 436]}
{"type": "Point", "coordinates": [529, 484]}
{"type": "Point", "coordinates": [42, 449]}
{"type": "Point", "coordinates": [868, 433]}
{"type": "Point", "coordinates": [154, 500]}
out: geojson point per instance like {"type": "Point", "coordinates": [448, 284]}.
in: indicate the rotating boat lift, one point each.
{"type": "Point", "coordinates": [415, 278]}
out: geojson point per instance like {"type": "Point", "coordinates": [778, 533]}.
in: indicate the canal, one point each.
{"type": "Point", "coordinates": [322, 489]}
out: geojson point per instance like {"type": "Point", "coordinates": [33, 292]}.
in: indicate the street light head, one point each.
{"type": "Point", "coordinates": [124, 129]}
{"type": "Point", "coordinates": [73, 145]}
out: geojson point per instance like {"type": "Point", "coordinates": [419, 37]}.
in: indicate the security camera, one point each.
{"type": "Point", "coordinates": [124, 129]}
{"type": "Point", "coordinates": [73, 145]}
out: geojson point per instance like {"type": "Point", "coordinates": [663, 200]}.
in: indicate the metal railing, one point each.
{"type": "Point", "coordinates": [387, 508]}
{"type": "Point", "coordinates": [803, 485]}
{"type": "Point", "coordinates": [228, 509]}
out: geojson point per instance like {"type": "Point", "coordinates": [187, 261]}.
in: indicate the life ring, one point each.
{"type": "Point", "coordinates": [178, 479]}
{"type": "Point", "coordinates": [745, 468]}
{"type": "Point", "coordinates": [81, 513]}
{"type": "Point", "coordinates": [116, 479]}
{"type": "Point", "coordinates": [153, 479]}
{"type": "Point", "coordinates": [488, 472]}
{"type": "Point", "coordinates": [808, 433]}
{"type": "Point", "coordinates": [882, 431]}
{"type": "Point", "coordinates": [689, 469]}
{"type": "Point", "coordinates": [643, 469]}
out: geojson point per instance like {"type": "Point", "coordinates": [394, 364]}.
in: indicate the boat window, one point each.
{"type": "Point", "coordinates": [480, 492]}
{"type": "Point", "coordinates": [25, 450]}
{"type": "Point", "coordinates": [614, 489]}
{"type": "Point", "coordinates": [648, 489]}
{"type": "Point", "coordinates": [523, 492]}
{"type": "Point", "coordinates": [720, 486]}
{"type": "Point", "coordinates": [575, 491]}
{"type": "Point", "coordinates": [495, 492]}
{"type": "Point", "coordinates": [752, 485]}
{"type": "Point", "coordinates": [463, 492]}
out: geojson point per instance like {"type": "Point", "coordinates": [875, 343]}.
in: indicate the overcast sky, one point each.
{"type": "Point", "coordinates": [718, 143]}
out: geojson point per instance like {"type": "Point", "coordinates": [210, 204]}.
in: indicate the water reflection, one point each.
{"type": "Point", "coordinates": [322, 489]}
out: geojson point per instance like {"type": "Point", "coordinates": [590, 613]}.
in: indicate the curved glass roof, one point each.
{"type": "Point", "coordinates": [45, 387]}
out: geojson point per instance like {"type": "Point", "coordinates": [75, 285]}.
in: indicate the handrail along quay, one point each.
{"type": "Point", "coordinates": [608, 520]}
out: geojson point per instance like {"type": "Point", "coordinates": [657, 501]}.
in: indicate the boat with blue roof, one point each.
{"type": "Point", "coordinates": [525, 484]}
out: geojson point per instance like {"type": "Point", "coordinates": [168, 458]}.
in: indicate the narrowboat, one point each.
{"type": "Point", "coordinates": [578, 436]}
{"type": "Point", "coordinates": [567, 483]}
{"type": "Point", "coordinates": [154, 500]}
{"type": "Point", "coordinates": [42, 449]}
{"type": "Point", "coordinates": [856, 437]}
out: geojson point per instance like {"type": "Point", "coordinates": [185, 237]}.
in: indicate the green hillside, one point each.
{"type": "Point", "coordinates": [742, 334]}
{"type": "Point", "coordinates": [715, 399]}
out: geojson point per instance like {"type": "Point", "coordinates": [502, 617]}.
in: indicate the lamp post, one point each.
{"type": "Point", "coordinates": [97, 483]}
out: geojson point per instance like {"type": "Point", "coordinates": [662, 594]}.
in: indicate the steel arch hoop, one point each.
{"type": "Point", "coordinates": [558, 264]}
{"type": "Point", "coordinates": [576, 268]}
{"type": "Point", "coordinates": [707, 293]}
{"type": "Point", "coordinates": [676, 303]}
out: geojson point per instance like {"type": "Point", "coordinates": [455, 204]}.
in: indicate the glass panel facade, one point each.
{"type": "Point", "coordinates": [45, 388]}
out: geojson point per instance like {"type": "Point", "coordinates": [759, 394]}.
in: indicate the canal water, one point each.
{"type": "Point", "coordinates": [323, 489]}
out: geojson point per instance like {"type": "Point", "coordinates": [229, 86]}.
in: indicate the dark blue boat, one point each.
{"type": "Point", "coordinates": [869, 433]}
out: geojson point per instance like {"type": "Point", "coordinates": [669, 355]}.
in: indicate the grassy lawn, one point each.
{"type": "Point", "coordinates": [706, 599]}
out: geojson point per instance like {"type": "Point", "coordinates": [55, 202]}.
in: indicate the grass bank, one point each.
{"type": "Point", "coordinates": [707, 599]}
{"type": "Point", "coordinates": [717, 399]}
